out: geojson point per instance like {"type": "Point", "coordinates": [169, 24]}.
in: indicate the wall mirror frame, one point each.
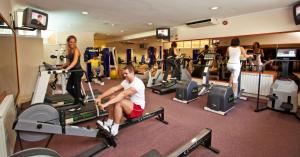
{"type": "Point", "coordinates": [9, 76]}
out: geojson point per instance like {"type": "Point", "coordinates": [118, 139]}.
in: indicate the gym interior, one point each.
{"type": "Point", "coordinates": [200, 108]}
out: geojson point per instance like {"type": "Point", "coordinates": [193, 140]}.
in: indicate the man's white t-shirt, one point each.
{"type": "Point", "coordinates": [139, 97]}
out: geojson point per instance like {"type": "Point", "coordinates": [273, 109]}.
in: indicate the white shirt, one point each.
{"type": "Point", "coordinates": [139, 97]}
{"type": "Point", "coordinates": [234, 55]}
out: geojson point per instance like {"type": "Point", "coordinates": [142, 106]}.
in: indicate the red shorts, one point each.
{"type": "Point", "coordinates": [136, 112]}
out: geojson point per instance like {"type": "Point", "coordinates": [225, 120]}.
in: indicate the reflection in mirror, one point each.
{"type": "Point", "coordinates": [8, 60]}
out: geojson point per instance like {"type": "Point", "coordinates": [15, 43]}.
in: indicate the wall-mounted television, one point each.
{"type": "Point", "coordinates": [296, 12]}
{"type": "Point", "coordinates": [163, 33]}
{"type": "Point", "coordinates": [35, 19]}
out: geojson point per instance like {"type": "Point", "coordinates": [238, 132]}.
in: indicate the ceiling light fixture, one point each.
{"type": "Point", "coordinates": [122, 31]}
{"type": "Point", "coordinates": [84, 12]}
{"type": "Point", "coordinates": [214, 8]}
{"type": "Point", "coordinates": [112, 24]}
{"type": "Point", "coordinates": [149, 23]}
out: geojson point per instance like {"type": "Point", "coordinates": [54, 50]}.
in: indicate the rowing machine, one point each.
{"type": "Point", "coordinates": [99, 147]}
{"type": "Point", "coordinates": [42, 121]}
{"type": "Point", "coordinates": [203, 138]}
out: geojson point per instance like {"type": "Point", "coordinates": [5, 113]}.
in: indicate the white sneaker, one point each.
{"type": "Point", "coordinates": [72, 110]}
{"type": "Point", "coordinates": [78, 109]}
{"type": "Point", "coordinates": [163, 81]}
{"type": "Point", "coordinates": [107, 128]}
{"type": "Point", "coordinates": [102, 83]}
{"type": "Point", "coordinates": [101, 123]}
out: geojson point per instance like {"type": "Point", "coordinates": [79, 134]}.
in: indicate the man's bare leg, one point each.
{"type": "Point", "coordinates": [125, 106]}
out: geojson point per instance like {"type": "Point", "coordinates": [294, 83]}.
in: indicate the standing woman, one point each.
{"type": "Point", "coordinates": [259, 53]}
{"type": "Point", "coordinates": [73, 63]}
{"type": "Point", "coordinates": [171, 62]}
{"type": "Point", "coordinates": [234, 53]}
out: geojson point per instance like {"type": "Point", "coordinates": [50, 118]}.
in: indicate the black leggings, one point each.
{"type": "Point", "coordinates": [74, 85]}
{"type": "Point", "coordinates": [171, 65]}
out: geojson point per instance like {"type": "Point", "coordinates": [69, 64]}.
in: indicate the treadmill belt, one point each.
{"type": "Point", "coordinates": [60, 100]}
{"type": "Point", "coordinates": [87, 112]}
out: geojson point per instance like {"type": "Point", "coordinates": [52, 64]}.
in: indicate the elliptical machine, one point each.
{"type": "Point", "coordinates": [188, 90]}
{"type": "Point", "coordinates": [221, 98]}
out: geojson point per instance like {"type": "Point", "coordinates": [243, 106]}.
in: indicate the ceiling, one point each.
{"type": "Point", "coordinates": [133, 16]}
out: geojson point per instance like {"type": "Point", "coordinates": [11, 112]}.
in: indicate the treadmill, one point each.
{"type": "Point", "coordinates": [170, 87]}
{"type": "Point", "coordinates": [165, 88]}
{"type": "Point", "coordinates": [87, 112]}
{"type": "Point", "coordinates": [57, 100]}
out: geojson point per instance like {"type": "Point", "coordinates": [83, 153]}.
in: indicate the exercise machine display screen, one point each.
{"type": "Point", "coordinates": [286, 53]}
{"type": "Point", "coordinates": [209, 56]}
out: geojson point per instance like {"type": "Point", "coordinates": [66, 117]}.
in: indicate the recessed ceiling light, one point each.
{"type": "Point", "coordinates": [214, 8]}
{"type": "Point", "coordinates": [122, 31]}
{"type": "Point", "coordinates": [112, 24]}
{"type": "Point", "coordinates": [84, 12]}
{"type": "Point", "coordinates": [149, 23]}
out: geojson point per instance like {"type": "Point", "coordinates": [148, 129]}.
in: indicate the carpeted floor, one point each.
{"type": "Point", "coordinates": [242, 133]}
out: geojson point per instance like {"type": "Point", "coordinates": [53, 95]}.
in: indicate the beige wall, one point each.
{"type": "Point", "coordinates": [6, 9]}
{"type": "Point", "coordinates": [30, 56]}
{"type": "Point", "coordinates": [8, 66]}
{"type": "Point", "coordinates": [266, 39]}
{"type": "Point", "coordinates": [278, 20]}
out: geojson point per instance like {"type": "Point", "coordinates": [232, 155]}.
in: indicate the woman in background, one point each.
{"type": "Point", "coordinates": [234, 53]}
{"type": "Point", "coordinates": [171, 63]}
{"type": "Point", "coordinates": [73, 64]}
{"type": "Point", "coordinates": [259, 54]}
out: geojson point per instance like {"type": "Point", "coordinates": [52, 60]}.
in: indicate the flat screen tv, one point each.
{"type": "Point", "coordinates": [163, 33]}
{"type": "Point", "coordinates": [296, 12]}
{"type": "Point", "coordinates": [35, 19]}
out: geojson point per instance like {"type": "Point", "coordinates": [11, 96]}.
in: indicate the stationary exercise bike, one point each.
{"type": "Point", "coordinates": [188, 90]}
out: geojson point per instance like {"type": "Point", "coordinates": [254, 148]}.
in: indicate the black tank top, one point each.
{"type": "Point", "coordinates": [171, 52]}
{"type": "Point", "coordinates": [71, 58]}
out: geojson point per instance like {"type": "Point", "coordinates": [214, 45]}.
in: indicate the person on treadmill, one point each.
{"type": "Point", "coordinates": [234, 53]}
{"type": "Point", "coordinates": [73, 63]}
{"type": "Point", "coordinates": [259, 54]}
{"type": "Point", "coordinates": [130, 101]}
{"type": "Point", "coordinates": [171, 63]}
{"type": "Point", "coordinates": [203, 53]}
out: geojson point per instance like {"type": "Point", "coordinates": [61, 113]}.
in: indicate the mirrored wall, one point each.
{"type": "Point", "coordinates": [8, 60]}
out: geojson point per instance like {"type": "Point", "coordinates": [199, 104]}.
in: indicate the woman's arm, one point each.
{"type": "Point", "coordinates": [244, 53]}
{"type": "Point", "coordinates": [176, 53]}
{"type": "Point", "coordinates": [262, 52]}
{"type": "Point", "coordinates": [74, 62]}
{"type": "Point", "coordinates": [65, 64]}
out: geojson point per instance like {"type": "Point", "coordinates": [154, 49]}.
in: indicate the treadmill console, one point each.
{"type": "Point", "coordinates": [49, 66]}
{"type": "Point", "coordinates": [209, 56]}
